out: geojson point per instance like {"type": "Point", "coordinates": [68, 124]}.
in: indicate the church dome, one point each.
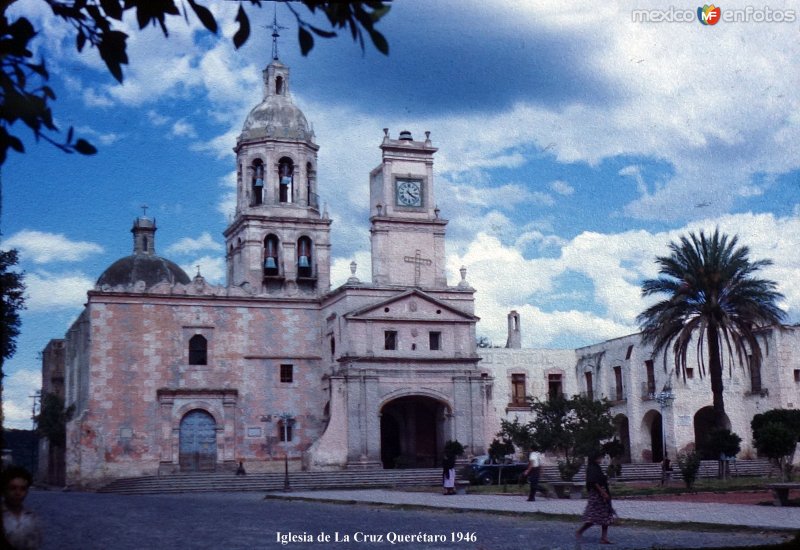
{"type": "Point", "coordinates": [276, 116]}
{"type": "Point", "coordinates": [149, 268]}
{"type": "Point", "coordinates": [144, 264]}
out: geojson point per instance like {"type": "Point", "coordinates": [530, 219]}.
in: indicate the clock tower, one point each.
{"type": "Point", "coordinates": [407, 235]}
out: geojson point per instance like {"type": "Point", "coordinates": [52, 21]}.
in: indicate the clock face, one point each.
{"type": "Point", "coordinates": [409, 192]}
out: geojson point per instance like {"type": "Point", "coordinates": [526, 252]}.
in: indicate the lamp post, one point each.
{"type": "Point", "coordinates": [286, 418]}
{"type": "Point", "coordinates": [664, 398]}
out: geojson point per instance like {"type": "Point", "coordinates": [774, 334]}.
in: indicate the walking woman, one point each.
{"type": "Point", "coordinates": [598, 508]}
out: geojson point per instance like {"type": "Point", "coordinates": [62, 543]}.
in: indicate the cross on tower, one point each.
{"type": "Point", "coordinates": [275, 34]}
{"type": "Point", "coordinates": [144, 208]}
{"type": "Point", "coordinates": [418, 261]}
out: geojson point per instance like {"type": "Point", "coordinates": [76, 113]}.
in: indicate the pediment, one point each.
{"type": "Point", "coordinates": [412, 305]}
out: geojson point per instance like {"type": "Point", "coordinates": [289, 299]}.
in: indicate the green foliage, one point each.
{"type": "Point", "coordinates": [613, 448]}
{"type": "Point", "coordinates": [25, 95]}
{"type": "Point", "coordinates": [453, 448]}
{"type": "Point", "coordinates": [571, 427]}
{"type": "Point", "coordinates": [500, 448]}
{"type": "Point", "coordinates": [721, 441]}
{"type": "Point", "coordinates": [689, 465]}
{"type": "Point", "coordinates": [775, 434]}
{"type": "Point", "coordinates": [51, 422]}
{"type": "Point", "coordinates": [713, 303]}
{"type": "Point", "coordinates": [483, 342]}
{"type": "Point", "coordinates": [520, 434]}
{"type": "Point", "coordinates": [12, 301]}
{"type": "Point", "coordinates": [789, 418]}
{"type": "Point", "coordinates": [568, 467]}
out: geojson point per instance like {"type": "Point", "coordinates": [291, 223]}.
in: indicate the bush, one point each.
{"type": "Point", "coordinates": [499, 449]}
{"type": "Point", "coordinates": [689, 465]}
{"type": "Point", "coordinates": [453, 448]}
{"type": "Point", "coordinates": [568, 467]}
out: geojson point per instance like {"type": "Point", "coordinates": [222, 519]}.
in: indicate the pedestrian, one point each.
{"type": "Point", "coordinates": [533, 470]}
{"type": "Point", "coordinates": [449, 475]}
{"type": "Point", "coordinates": [666, 470]}
{"type": "Point", "coordinates": [240, 470]}
{"type": "Point", "coordinates": [599, 510]}
{"type": "Point", "coordinates": [21, 527]}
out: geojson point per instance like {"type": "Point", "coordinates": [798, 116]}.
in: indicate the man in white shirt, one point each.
{"type": "Point", "coordinates": [535, 460]}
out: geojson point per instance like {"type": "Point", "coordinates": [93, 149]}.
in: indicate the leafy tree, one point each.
{"type": "Point", "coordinates": [483, 342]}
{"type": "Point", "coordinates": [571, 427]}
{"type": "Point", "coordinates": [498, 449]}
{"type": "Point", "coordinates": [776, 434]}
{"type": "Point", "coordinates": [25, 96]}
{"type": "Point", "coordinates": [721, 441]}
{"type": "Point", "coordinates": [521, 435]}
{"type": "Point", "coordinates": [713, 296]}
{"type": "Point", "coordinates": [790, 418]}
{"type": "Point", "coordinates": [51, 422]}
{"type": "Point", "coordinates": [777, 442]}
{"type": "Point", "coordinates": [453, 448]}
{"type": "Point", "coordinates": [12, 301]}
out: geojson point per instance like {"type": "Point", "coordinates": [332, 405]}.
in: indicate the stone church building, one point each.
{"type": "Point", "coordinates": [168, 373]}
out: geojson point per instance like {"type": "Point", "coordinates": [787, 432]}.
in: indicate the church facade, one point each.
{"type": "Point", "coordinates": [168, 373]}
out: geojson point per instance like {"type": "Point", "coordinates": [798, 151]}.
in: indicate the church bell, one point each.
{"type": "Point", "coordinates": [302, 261]}
{"type": "Point", "coordinates": [270, 263]}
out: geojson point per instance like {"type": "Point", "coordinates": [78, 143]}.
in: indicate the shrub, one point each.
{"type": "Point", "coordinates": [689, 465]}
{"type": "Point", "coordinates": [568, 467]}
{"type": "Point", "coordinates": [453, 448]}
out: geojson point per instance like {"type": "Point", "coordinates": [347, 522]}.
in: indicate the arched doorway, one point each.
{"type": "Point", "coordinates": [624, 436]}
{"type": "Point", "coordinates": [652, 423]}
{"type": "Point", "coordinates": [198, 442]}
{"type": "Point", "coordinates": [703, 424]}
{"type": "Point", "coordinates": [412, 432]}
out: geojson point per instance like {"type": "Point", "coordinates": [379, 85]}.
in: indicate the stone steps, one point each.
{"type": "Point", "coordinates": [651, 471]}
{"type": "Point", "coordinates": [227, 481]}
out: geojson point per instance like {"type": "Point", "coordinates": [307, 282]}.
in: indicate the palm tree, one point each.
{"type": "Point", "coordinates": [714, 296]}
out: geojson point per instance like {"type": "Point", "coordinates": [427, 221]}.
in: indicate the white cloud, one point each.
{"type": "Point", "coordinates": [561, 187]}
{"type": "Point", "coordinates": [340, 268]}
{"type": "Point", "coordinates": [156, 118]}
{"type": "Point", "coordinates": [18, 387]}
{"type": "Point", "coordinates": [56, 291]}
{"type": "Point", "coordinates": [212, 268]}
{"type": "Point", "coordinates": [41, 247]}
{"type": "Point", "coordinates": [93, 135]}
{"type": "Point", "coordinates": [188, 245]}
{"type": "Point", "coordinates": [227, 203]}
{"type": "Point", "coordinates": [181, 128]}
{"type": "Point", "coordinates": [615, 265]}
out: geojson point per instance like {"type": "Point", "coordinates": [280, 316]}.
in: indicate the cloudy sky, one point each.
{"type": "Point", "coordinates": [574, 145]}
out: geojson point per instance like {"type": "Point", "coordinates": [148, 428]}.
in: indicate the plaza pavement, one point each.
{"type": "Point", "coordinates": [248, 521]}
{"type": "Point", "coordinates": [738, 515]}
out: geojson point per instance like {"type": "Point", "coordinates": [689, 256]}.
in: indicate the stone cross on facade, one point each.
{"type": "Point", "coordinates": [418, 261]}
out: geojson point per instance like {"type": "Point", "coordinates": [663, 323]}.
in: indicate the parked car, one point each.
{"type": "Point", "coordinates": [485, 470]}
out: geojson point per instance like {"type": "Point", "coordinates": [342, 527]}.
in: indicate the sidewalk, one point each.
{"type": "Point", "coordinates": [736, 515]}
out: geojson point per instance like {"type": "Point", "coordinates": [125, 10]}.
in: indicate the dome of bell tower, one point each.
{"type": "Point", "coordinates": [276, 117]}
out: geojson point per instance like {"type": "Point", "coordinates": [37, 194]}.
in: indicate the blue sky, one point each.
{"type": "Point", "coordinates": [574, 145]}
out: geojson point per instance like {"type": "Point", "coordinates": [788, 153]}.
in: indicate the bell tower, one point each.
{"type": "Point", "coordinates": [279, 240]}
{"type": "Point", "coordinates": [407, 235]}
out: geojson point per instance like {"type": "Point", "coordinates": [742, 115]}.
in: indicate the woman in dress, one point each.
{"type": "Point", "coordinates": [598, 508]}
{"type": "Point", "coordinates": [449, 475]}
